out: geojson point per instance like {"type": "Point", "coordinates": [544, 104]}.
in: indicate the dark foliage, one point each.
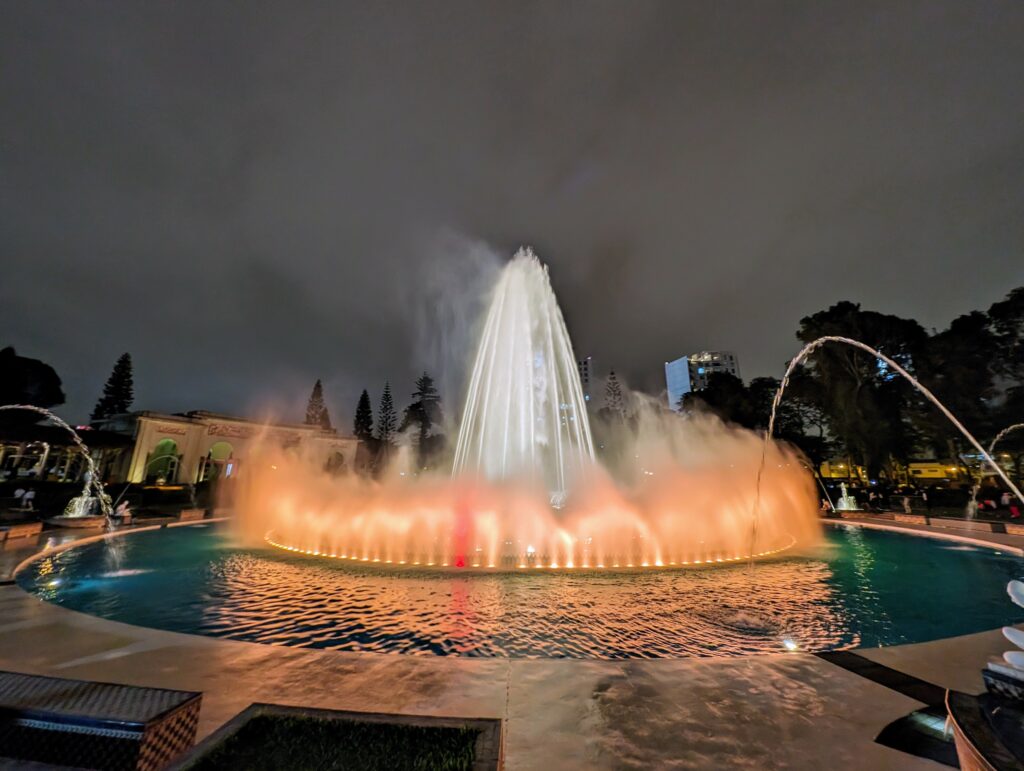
{"type": "Point", "coordinates": [614, 402]}
{"type": "Point", "coordinates": [426, 415]}
{"type": "Point", "coordinates": [386, 418]}
{"type": "Point", "coordinates": [1007, 320]}
{"type": "Point", "coordinates": [118, 393]}
{"type": "Point", "coordinates": [844, 399]}
{"type": "Point", "coordinates": [316, 409]}
{"type": "Point", "coordinates": [362, 426]}
{"type": "Point", "coordinates": [867, 405]}
{"type": "Point", "coordinates": [26, 381]}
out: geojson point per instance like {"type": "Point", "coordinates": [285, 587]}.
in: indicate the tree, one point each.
{"type": "Point", "coordinates": [750, 406]}
{"type": "Point", "coordinates": [1007, 320]}
{"type": "Point", "coordinates": [386, 418]}
{"type": "Point", "coordinates": [26, 381]}
{"type": "Point", "coordinates": [614, 404]}
{"type": "Point", "coordinates": [868, 406]}
{"type": "Point", "coordinates": [800, 411]}
{"type": "Point", "coordinates": [362, 426]}
{"type": "Point", "coordinates": [957, 366]}
{"type": "Point", "coordinates": [807, 398]}
{"type": "Point", "coordinates": [425, 413]}
{"type": "Point", "coordinates": [761, 391]}
{"type": "Point", "coordinates": [726, 396]}
{"type": "Point", "coordinates": [1010, 413]}
{"type": "Point", "coordinates": [316, 410]}
{"type": "Point", "coordinates": [425, 410]}
{"type": "Point", "coordinates": [118, 393]}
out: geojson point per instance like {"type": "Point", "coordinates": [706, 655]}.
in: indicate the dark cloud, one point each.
{"type": "Point", "coordinates": [248, 196]}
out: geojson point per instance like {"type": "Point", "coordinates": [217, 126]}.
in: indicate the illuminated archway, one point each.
{"type": "Point", "coordinates": [219, 462]}
{"type": "Point", "coordinates": [163, 462]}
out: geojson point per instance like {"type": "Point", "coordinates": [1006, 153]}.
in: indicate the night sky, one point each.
{"type": "Point", "coordinates": [248, 196]}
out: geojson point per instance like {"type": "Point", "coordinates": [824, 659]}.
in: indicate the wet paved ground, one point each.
{"type": "Point", "coordinates": [786, 710]}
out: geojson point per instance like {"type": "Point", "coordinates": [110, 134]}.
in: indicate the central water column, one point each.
{"type": "Point", "coordinates": [525, 415]}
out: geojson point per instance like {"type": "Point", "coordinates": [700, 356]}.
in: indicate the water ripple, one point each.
{"type": "Point", "coordinates": [865, 588]}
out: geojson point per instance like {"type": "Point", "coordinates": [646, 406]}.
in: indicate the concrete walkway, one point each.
{"type": "Point", "coordinates": [779, 711]}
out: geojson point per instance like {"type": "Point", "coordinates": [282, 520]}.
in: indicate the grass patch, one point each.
{"type": "Point", "coordinates": [282, 743]}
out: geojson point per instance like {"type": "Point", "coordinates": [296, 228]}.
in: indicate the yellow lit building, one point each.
{"type": "Point", "coordinates": [937, 471]}
{"type": "Point", "coordinates": [199, 446]}
{"type": "Point", "coordinates": [842, 469]}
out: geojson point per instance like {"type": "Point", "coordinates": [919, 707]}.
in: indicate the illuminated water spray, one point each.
{"type": "Point", "coordinates": [991, 452]}
{"type": "Point", "coordinates": [810, 348]}
{"type": "Point", "coordinates": [525, 415]}
{"type": "Point", "coordinates": [78, 507]}
{"type": "Point", "coordinates": [526, 491]}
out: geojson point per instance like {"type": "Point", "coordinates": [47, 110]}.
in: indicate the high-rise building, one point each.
{"type": "Point", "coordinates": [691, 373]}
{"type": "Point", "coordinates": [707, 363]}
{"type": "Point", "coordinates": [588, 378]}
{"type": "Point", "coordinates": [677, 380]}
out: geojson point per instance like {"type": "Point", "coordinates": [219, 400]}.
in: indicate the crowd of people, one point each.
{"type": "Point", "coordinates": [994, 503]}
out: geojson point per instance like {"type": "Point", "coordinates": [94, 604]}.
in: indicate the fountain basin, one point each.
{"type": "Point", "coordinates": [513, 563]}
{"type": "Point", "coordinates": [861, 588]}
{"type": "Point", "coordinates": [78, 522]}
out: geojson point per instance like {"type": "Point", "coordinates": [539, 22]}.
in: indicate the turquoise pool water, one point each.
{"type": "Point", "coordinates": [860, 588]}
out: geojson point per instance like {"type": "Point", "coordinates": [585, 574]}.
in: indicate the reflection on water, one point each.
{"type": "Point", "coordinates": [861, 588]}
{"type": "Point", "coordinates": [614, 616]}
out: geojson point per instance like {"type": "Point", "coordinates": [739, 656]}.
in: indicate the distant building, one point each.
{"type": "Point", "coordinates": [677, 380]}
{"type": "Point", "coordinates": [842, 468]}
{"type": "Point", "coordinates": [691, 373]}
{"type": "Point", "coordinates": [198, 446]}
{"type": "Point", "coordinates": [707, 363]}
{"type": "Point", "coordinates": [588, 377]}
{"type": "Point", "coordinates": [47, 453]}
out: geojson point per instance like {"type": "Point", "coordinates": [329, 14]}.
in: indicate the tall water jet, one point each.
{"type": "Point", "coordinates": [526, 490]}
{"type": "Point", "coordinates": [524, 414]}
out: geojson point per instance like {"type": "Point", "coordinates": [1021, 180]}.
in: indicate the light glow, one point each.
{"type": "Point", "coordinates": [526, 490]}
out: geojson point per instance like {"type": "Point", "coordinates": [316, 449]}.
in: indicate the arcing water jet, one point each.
{"type": "Point", "coordinates": [78, 507]}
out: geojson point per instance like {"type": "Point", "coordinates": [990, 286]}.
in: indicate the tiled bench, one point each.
{"type": "Point", "coordinates": [90, 725]}
{"type": "Point", "coordinates": [487, 756]}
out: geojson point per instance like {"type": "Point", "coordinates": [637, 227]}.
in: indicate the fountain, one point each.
{"type": "Point", "coordinates": [79, 511]}
{"type": "Point", "coordinates": [525, 414]}
{"type": "Point", "coordinates": [846, 501]}
{"type": "Point", "coordinates": [810, 348]}
{"type": "Point", "coordinates": [972, 501]}
{"type": "Point", "coordinates": [525, 490]}
{"type": "Point", "coordinates": [526, 499]}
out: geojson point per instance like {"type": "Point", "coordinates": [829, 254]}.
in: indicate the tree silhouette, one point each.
{"type": "Point", "coordinates": [362, 426]}
{"type": "Point", "coordinates": [316, 410]}
{"type": "Point", "coordinates": [26, 381]}
{"type": "Point", "coordinates": [1007, 318]}
{"type": "Point", "coordinates": [726, 396]}
{"type": "Point", "coordinates": [425, 413]}
{"type": "Point", "coordinates": [118, 393]}
{"type": "Point", "coordinates": [869, 407]}
{"type": "Point", "coordinates": [386, 418]}
{"type": "Point", "coordinates": [613, 401]}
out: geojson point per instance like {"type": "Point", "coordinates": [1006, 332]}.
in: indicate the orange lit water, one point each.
{"type": "Point", "coordinates": [859, 588]}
